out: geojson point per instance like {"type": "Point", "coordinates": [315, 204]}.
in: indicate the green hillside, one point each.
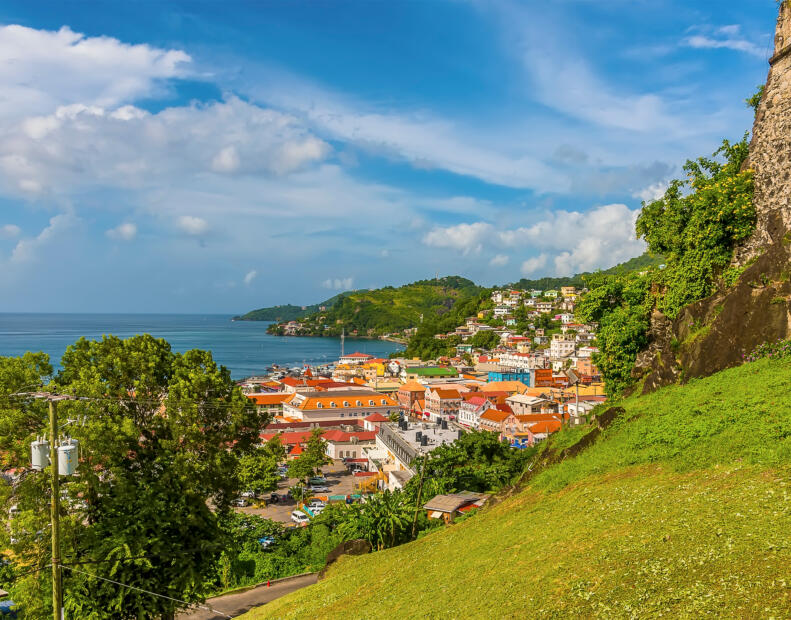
{"type": "Point", "coordinates": [387, 310]}
{"type": "Point", "coordinates": [286, 312]}
{"type": "Point", "coordinates": [638, 263]}
{"type": "Point", "coordinates": [681, 508]}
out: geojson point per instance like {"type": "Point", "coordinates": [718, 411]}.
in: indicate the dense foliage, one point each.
{"type": "Point", "coordinates": [387, 310]}
{"type": "Point", "coordinates": [160, 440]}
{"type": "Point", "coordinates": [287, 312]}
{"type": "Point", "coordinates": [695, 226]}
{"type": "Point", "coordinates": [778, 349]}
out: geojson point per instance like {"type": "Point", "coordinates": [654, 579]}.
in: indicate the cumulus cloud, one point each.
{"type": "Point", "coordinates": [227, 160]}
{"type": "Point", "coordinates": [338, 284]}
{"type": "Point", "coordinates": [81, 146]}
{"type": "Point", "coordinates": [42, 69]}
{"type": "Point", "coordinates": [192, 225]}
{"type": "Point", "coordinates": [9, 231]}
{"type": "Point", "coordinates": [725, 37]}
{"type": "Point", "coordinates": [531, 265]}
{"type": "Point", "coordinates": [123, 232]}
{"type": "Point", "coordinates": [250, 276]}
{"type": "Point", "coordinates": [655, 191]}
{"type": "Point", "coordinates": [582, 241]}
{"type": "Point", "coordinates": [466, 238]}
{"type": "Point", "coordinates": [27, 250]}
{"type": "Point", "coordinates": [499, 260]}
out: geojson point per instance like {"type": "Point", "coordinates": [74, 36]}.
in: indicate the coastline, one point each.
{"type": "Point", "coordinates": [392, 339]}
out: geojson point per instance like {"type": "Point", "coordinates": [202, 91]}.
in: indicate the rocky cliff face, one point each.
{"type": "Point", "coordinates": [716, 333]}
{"type": "Point", "coordinates": [770, 148]}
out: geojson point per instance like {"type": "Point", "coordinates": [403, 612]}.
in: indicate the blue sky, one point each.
{"type": "Point", "coordinates": [215, 157]}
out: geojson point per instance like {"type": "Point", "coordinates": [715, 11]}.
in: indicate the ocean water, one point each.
{"type": "Point", "coordinates": [243, 347]}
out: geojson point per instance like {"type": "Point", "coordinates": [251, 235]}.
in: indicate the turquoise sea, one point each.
{"type": "Point", "coordinates": [243, 347]}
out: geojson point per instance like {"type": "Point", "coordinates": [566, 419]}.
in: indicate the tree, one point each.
{"type": "Point", "coordinates": [257, 471]}
{"type": "Point", "coordinates": [313, 457]}
{"type": "Point", "coordinates": [384, 520]}
{"type": "Point", "coordinates": [160, 439]}
{"type": "Point", "coordinates": [486, 339]}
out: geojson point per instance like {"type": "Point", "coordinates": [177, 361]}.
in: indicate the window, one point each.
{"type": "Point", "coordinates": [384, 402]}
{"type": "Point", "coordinates": [345, 403]}
{"type": "Point", "coordinates": [342, 414]}
{"type": "Point", "coordinates": [359, 403]}
{"type": "Point", "coordinates": [319, 406]}
{"type": "Point", "coordinates": [370, 402]}
{"type": "Point", "coordinates": [332, 404]}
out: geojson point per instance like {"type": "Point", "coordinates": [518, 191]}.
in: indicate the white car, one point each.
{"type": "Point", "coordinates": [299, 517]}
{"type": "Point", "coordinates": [318, 488]}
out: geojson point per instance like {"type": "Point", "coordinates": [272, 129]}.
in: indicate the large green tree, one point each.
{"type": "Point", "coordinates": [160, 437]}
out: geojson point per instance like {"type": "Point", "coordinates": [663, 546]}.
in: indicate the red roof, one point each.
{"type": "Point", "coordinates": [296, 450]}
{"type": "Point", "coordinates": [288, 439]}
{"type": "Point", "coordinates": [358, 355]}
{"type": "Point", "coordinates": [476, 400]}
{"type": "Point", "coordinates": [343, 436]}
{"type": "Point", "coordinates": [269, 399]}
{"type": "Point", "coordinates": [377, 417]}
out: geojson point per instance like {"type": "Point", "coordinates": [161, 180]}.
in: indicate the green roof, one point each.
{"type": "Point", "coordinates": [433, 372]}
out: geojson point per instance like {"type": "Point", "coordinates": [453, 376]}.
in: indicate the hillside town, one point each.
{"type": "Point", "coordinates": [377, 415]}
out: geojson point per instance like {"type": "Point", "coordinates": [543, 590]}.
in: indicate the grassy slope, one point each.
{"type": "Point", "coordinates": [682, 508]}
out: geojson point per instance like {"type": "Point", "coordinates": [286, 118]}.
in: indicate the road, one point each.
{"type": "Point", "coordinates": [234, 605]}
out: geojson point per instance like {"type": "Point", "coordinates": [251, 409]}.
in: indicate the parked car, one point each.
{"type": "Point", "coordinates": [316, 503]}
{"type": "Point", "coordinates": [299, 517]}
{"type": "Point", "coordinates": [318, 488]}
{"type": "Point", "coordinates": [240, 502]}
{"type": "Point", "coordinates": [249, 494]}
{"type": "Point", "coordinates": [266, 541]}
{"type": "Point", "coordinates": [318, 480]}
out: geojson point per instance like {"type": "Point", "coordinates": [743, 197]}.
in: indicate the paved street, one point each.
{"type": "Point", "coordinates": [339, 481]}
{"type": "Point", "coordinates": [236, 604]}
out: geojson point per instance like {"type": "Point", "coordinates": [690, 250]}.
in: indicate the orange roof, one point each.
{"type": "Point", "coordinates": [494, 415]}
{"type": "Point", "coordinates": [377, 417]}
{"type": "Point", "coordinates": [339, 398]}
{"type": "Point", "coordinates": [446, 394]}
{"type": "Point", "coordinates": [269, 399]}
{"type": "Point", "coordinates": [545, 427]}
{"type": "Point", "coordinates": [529, 418]}
{"type": "Point", "coordinates": [412, 386]}
{"type": "Point", "coordinates": [505, 386]}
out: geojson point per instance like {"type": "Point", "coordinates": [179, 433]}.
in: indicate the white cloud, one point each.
{"type": "Point", "coordinates": [84, 146]}
{"type": "Point", "coordinates": [227, 160]}
{"type": "Point", "coordinates": [531, 265]}
{"type": "Point", "coordinates": [42, 69]}
{"type": "Point", "coordinates": [338, 284]}
{"type": "Point", "coordinates": [500, 260]}
{"type": "Point", "coordinates": [655, 191]}
{"type": "Point", "coordinates": [27, 250]}
{"type": "Point", "coordinates": [123, 232]}
{"type": "Point", "coordinates": [465, 238]}
{"type": "Point", "coordinates": [9, 231]}
{"type": "Point", "coordinates": [725, 37]}
{"type": "Point", "coordinates": [423, 140]}
{"type": "Point", "coordinates": [250, 276]}
{"type": "Point", "coordinates": [192, 225]}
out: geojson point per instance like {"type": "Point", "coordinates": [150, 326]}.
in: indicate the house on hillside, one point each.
{"type": "Point", "coordinates": [503, 423]}
{"type": "Point", "coordinates": [448, 507]}
{"type": "Point", "coordinates": [442, 403]}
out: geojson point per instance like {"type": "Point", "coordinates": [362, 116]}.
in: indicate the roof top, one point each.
{"type": "Point", "coordinates": [545, 427]}
{"type": "Point", "coordinates": [412, 386]}
{"type": "Point", "coordinates": [343, 436]}
{"type": "Point", "coordinates": [494, 415]}
{"type": "Point", "coordinates": [377, 417]}
{"type": "Point", "coordinates": [446, 393]}
{"type": "Point", "coordinates": [505, 386]}
{"type": "Point", "coordinates": [269, 399]}
{"type": "Point", "coordinates": [454, 501]}
{"type": "Point", "coordinates": [433, 371]}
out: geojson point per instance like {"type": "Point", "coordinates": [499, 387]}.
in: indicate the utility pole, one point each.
{"type": "Point", "coordinates": [57, 585]}
{"type": "Point", "coordinates": [419, 493]}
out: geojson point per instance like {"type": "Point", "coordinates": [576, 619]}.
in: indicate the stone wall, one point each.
{"type": "Point", "coordinates": [770, 149]}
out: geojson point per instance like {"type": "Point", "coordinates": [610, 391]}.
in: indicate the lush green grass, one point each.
{"type": "Point", "coordinates": [681, 509]}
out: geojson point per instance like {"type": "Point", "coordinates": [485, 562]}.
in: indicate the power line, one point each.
{"type": "Point", "coordinates": [125, 585]}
